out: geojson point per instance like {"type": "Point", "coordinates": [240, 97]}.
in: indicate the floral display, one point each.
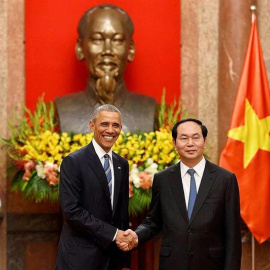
{"type": "Point", "coordinates": [37, 147]}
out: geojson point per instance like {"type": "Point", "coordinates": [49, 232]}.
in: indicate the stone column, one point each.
{"type": "Point", "coordinates": [11, 91]}
{"type": "Point", "coordinates": [234, 30]}
{"type": "Point", "coordinates": [263, 18]}
{"type": "Point", "coordinates": [3, 87]}
{"type": "Point", "coordinates": [199, 64]}
{"type": "Point", "coordinates": [189, 56]}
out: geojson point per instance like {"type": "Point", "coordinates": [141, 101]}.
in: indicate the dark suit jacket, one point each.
{"type": "Point", "coordinates": [90, 222]}
{"type": "Point", "coordinates": [211, 240]}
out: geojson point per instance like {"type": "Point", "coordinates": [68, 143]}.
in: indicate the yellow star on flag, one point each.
{"type": "Point", "coordinates": [254, 134]}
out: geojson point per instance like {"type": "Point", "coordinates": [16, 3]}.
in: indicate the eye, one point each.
{"type": "Point", "coordinates": [97, 39]}
{"type": "Point", "coordinates": [118, 39]}
{"type": "Point", "coordinates": [116, 125]}
{"type": "Point", "coordinates": [183, 139]}
{"type": "Point", "coordinates": [196, 138]}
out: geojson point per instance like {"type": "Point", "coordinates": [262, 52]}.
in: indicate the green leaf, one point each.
{"type": "Point", "coordinates": [140, 201]}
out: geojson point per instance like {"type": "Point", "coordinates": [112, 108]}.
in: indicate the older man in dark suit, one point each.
{"type": "Point", "coordinates": [195, 204]}
{"type": "Point", "coordinates": [94, 194]}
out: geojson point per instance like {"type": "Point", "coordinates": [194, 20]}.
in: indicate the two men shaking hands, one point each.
{"type": "Point", "coordinates": [126, 240]}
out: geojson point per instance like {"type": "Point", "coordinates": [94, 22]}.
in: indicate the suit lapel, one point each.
{"type": "Point", "coordinates": [177, 189]}
{"type": "Point", "coordinates": [205, 186]}
{"type": "Point", "coordinates": [98, 169]}
{"type": "Point", "coordinates": [117, 180]}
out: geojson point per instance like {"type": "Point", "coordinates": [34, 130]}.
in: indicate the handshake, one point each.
{"type": "Point", "coordinates": [126, 240]}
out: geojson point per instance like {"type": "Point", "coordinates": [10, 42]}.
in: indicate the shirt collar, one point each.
{"type": "Point", "coordinates": [199, 167]}
{"type": "Point", "coordinates": [100, 152]}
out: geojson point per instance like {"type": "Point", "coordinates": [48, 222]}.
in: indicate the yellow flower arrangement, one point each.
{"type": "Point", "coordinates": [37, 148]}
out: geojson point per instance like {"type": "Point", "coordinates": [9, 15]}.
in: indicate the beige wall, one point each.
{"type": "Point", "coordinates": [263, 15]}
{"type": "Point", "coordinates": [206, 67]}
{"type": "Point", "coordinates": [3, 87]}
{"type": "Point", "coordinates": [11, 87]}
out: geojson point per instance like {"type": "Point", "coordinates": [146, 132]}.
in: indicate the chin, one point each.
{"type": "Point", "coordinates": [107, 146]}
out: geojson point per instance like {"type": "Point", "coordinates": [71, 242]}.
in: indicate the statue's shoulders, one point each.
{"type": "Point", "coordinates": [74, 112]}
{"type": "Point", "coordinates": [73, 98]}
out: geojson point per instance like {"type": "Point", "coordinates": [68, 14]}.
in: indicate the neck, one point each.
{"type": "Point", "coordinates": [191, 163]}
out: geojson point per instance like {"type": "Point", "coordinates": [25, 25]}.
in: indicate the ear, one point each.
{"type": "Point", "coordinates": [174, 144]}
{"type": "Point", "coordinates": [205, 141]}
{"type": "Point", "coordinates": [79, 50]}
{"type": "Point", "coordinates": [91, 126]}
{"type": "Point", "coordinates": [131, 52]}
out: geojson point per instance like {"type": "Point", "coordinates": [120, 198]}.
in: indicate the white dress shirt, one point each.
{"type": "Point", "coordinates": [100, 152]}
{"type": "Point", "coordinates": [199, 169]}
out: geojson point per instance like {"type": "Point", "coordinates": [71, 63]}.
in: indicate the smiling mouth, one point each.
{"type": "Point", "coordinates": [108, 138]}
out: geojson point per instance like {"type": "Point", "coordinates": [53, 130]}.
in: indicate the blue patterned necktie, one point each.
{"type": "Point", "coordinates": [192, 192]}
{"type": "Point", "coordinates": [108, 172]}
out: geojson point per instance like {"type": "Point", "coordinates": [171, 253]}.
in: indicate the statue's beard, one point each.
{"type": "Point", "coordinates": [106, 85]}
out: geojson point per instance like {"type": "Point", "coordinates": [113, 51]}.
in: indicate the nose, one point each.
{"type": "Point", "coordinates": [110, 129]}
{"type": "Point", "coordinates": [190, 141]}
{"type": "Point", "coordinates": [107, 49]}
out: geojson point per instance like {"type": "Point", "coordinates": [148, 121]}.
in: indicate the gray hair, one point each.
{"type": "Point", "coordinates": [83, 23]}
{"type": "Point", "coordinates": [106, 108]}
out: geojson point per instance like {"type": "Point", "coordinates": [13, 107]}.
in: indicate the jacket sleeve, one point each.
{"type": "Point", "coordinates": [233, 246]}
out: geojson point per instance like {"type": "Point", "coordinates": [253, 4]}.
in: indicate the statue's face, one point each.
{"type": "Point", "coordinates": [107, 46]}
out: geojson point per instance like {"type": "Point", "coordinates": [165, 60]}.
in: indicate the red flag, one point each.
{"type": "Point", "coordinates": [247, 151]}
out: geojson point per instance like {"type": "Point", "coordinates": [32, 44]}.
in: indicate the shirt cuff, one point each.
{"type": "Point", "coordinates": [115, 234]}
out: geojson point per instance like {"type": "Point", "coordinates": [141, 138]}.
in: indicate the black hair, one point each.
{"type": "Point", "coordinates": [203, 127]}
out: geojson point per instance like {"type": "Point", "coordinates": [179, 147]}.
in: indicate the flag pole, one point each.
{"type": "Point", "coordinates": [253, 252]}
{"type": "Point", "coordinates": [253, 9]}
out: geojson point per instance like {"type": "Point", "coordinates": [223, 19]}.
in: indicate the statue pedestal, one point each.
{"type": "Point", "coordinates": [33, 231]}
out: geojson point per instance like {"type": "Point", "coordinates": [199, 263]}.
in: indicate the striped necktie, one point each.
{"type": "Point", "coordinates": [108, 172]}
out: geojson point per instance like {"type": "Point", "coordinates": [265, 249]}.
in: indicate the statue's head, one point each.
{"type": "Point", "coordinates": [105, 43]}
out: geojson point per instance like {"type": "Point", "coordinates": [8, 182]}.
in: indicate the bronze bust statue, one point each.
{"type": "Point", "coordinates": [105, 43]}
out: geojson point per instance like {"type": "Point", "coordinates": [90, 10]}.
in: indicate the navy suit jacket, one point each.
{"type": "Point", "coordinates": [211, 239]}
{"type": "Point", "coordinates": [90, 223]}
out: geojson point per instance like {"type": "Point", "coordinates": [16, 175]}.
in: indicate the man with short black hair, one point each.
{"type": "Point", "coordinates": [195, 205]}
